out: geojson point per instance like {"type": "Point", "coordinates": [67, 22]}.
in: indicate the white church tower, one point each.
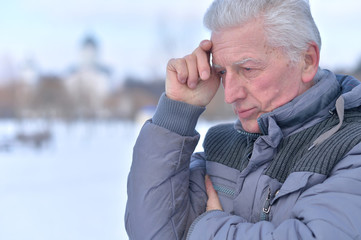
{"type": "Point", "coordinates": [89, 82]}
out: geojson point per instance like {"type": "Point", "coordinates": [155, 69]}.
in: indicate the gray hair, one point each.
{"type": "Point", "coordinates": [288, 24]}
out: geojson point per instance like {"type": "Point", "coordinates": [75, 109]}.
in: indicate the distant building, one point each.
{"type": "Point", "coordinates": [7, 70]}
{"type": "Point", "coordinates": [89, 81]}
{"type": "Point", "coordinates": [29, 73]}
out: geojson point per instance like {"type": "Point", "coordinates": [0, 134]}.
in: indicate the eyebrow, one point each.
{"type": "Point", "coordinates": [245, 60]}
{"type": "Point", "coordinates": [238, 63]}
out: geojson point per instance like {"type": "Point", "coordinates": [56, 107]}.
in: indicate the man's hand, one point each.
{"type": "Point", "coordinates": [190, 79]}
{"type": "Point", "coordinates": [213, 202]}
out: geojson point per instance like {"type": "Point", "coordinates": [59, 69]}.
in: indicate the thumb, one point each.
{"type": "Point", "coordinates": [213, 202]}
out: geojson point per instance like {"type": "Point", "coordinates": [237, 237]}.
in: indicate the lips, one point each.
{"type": "Point", "coordinates": [245, 113]}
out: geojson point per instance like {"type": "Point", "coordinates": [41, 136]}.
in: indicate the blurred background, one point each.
{"type": "Point", "coordinates": [77, 81]}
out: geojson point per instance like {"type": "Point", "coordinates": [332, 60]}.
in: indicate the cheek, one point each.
{"type": "Point", "coordinates": [277, 86]}
{"type": "Point", "coordinates": [267, 89]}
{"type": "Point", "coordinates": [272, 93]}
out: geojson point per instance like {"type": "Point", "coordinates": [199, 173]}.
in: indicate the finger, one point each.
{"type": "Point", "coordinates": [193, 75]}
{"type": "Point", "coordinates": [211, 192]}
{"type": "Point", "coordinates": [203, 55]}
{"type": "Point", "coordinates": [179, 67]}
{"type": "Point", "coordinates": [206, 45]}
{"type": "Point", "coordinates": [213, 202]}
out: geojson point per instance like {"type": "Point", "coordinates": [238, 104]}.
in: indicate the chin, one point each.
{"type": "Point", "coordinates": [251, 128]}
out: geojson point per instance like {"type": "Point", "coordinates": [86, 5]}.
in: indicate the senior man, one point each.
{"type": "Point", "coordinates": [290, 166]}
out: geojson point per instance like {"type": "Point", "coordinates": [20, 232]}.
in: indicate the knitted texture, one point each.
{"type": "Point", "coordinates": [223, 144]}
{"type": "Point", "coordinates": [293, 154]}
{"type": "Point", "coordinates": [178, 117]}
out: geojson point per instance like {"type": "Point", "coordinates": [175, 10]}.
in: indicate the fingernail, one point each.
{"type": "Point", "coordinates": [192, 85]}
{"type": "Point", "coordinates": [204, 42]}
{"type": "Point", "coordinates": [181, 79]}
{"type": "Point", "coordinates": [204, 75]}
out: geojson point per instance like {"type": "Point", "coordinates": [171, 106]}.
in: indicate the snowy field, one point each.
{"type": "Point", "coordinates": [73, 188]}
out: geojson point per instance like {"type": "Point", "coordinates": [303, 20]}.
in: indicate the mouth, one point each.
{"type": "Point", "coordinates": [245, 113]}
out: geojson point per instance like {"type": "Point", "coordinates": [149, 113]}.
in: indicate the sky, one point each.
{"type": "Point", "coordinates": [136, 38]}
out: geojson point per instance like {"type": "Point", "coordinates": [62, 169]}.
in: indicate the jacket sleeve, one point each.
{"type": "Point", "coordinates": [330, 210]}
{"type": "Point", "coordinates": [161, 185]}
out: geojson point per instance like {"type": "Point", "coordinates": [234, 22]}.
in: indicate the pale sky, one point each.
{"type": "Point", "coordinates": [138, 37]}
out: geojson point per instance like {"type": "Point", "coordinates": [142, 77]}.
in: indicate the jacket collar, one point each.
{"type": "Point", "coordinates": [305, 110]}
{"type": "Point", "coordinates": [313, 105]}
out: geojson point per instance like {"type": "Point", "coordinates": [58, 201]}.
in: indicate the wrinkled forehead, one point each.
{"type": "Point", "coordinates": [238, 44]}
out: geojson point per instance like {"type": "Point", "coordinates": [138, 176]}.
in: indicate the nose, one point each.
{"type": "Point", "coordinates": [233, 88]}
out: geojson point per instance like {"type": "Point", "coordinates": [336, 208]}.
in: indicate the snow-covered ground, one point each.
{"type": "Point", "coordinates": [73, 188]}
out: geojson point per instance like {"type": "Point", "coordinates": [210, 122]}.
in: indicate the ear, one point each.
{"type": "Point", "coordinates": [310, 60]}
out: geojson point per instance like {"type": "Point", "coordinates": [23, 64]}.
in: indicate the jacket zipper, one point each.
{"type": "Point", "coordinates": [266, 207]}
{"type": "Point", "coordinates": [224, 190]}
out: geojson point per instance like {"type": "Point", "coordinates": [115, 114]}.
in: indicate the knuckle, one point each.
{"type": "Point", "coordinates": [189, 58]}
{"type": "Point", "coordinates": [175, 61]}
{"type": "Point", "coordinates": [176, 64]}
{"type": "Point", "coordinates": [172, 61]}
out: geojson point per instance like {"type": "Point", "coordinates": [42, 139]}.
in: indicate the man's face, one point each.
{"type": "Point", "coordinates": [256, 78]}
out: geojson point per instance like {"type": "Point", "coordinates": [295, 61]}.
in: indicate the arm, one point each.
{"type": "Point", "coordinates": [164, 194]}
{"type": "Point", "coordinates": [330, 210]}
{"type": "Point", "coordinates": [159, 195]}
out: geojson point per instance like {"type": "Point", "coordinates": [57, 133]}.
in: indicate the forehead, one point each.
{"type": "Point", "coordinates": [239, 43]}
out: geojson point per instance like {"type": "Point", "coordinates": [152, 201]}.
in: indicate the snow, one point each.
{"type": "Point", "coordinates": [73, 188]}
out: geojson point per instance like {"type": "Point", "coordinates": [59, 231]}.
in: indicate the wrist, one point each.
{"type": "Point", "coordinates": [177, 116]}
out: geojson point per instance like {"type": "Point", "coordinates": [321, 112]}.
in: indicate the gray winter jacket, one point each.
{"type": "Point", "coordinates": [267, 192]}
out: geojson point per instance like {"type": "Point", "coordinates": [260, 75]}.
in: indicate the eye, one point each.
{"type": "Point", "coordinates": [222, 72]}
{"type": "Point", "coordinates": [250, 72]}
